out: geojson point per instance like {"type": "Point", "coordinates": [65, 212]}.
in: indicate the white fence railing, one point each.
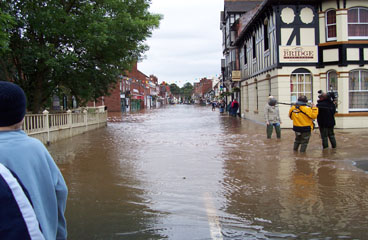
{"type": "Point", "coordinates": [76, 123]}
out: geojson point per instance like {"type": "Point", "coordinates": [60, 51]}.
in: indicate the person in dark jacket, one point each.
{"type": "Point", "coordinates": [17, 217]}
{"type": "Point", "coordinates": [326, 120]}
{"type": "Point", "coordinates": [234, 108]}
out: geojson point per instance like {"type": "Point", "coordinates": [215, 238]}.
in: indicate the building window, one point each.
{"type": "Point", "coordinates": [300, 84]}
{"type": "Point", "coordinates": [358, 90]}
{"type": "Point", "coordinates": [245, 55]}
{"type": "Point", "coordinates": [265, 30]}
{"type": "Point", "coordinates": [358, 23]}
{"type": "Point", "coordinates": [331, 81]}
{"type": "Point", "coordinates": [254, 46]}
{"type": "Point", "coordinates": [331, 25]}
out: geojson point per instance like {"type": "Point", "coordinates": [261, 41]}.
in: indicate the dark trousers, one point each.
{"type": "Point", "coordinates": [301, 138]}
{"type": "Point", "coordinates": [270, 130]}
{"type": "Point", "coordinates": [327, 133]}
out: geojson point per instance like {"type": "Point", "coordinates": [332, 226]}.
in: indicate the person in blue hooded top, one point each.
{"type": "Point", "coordinates": [29, 159]}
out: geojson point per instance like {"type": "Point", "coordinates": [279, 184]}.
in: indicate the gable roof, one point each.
{"type": "Point", "coordinates": [240, 5]}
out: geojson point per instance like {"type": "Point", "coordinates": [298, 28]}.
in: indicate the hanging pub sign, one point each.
{"type": "Point", "coordinates": [235, 76]}
{"type": "Point", "coordinates": [305, 54]}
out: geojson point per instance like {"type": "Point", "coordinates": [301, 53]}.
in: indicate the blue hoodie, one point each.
{"type": "Point", "coordinates": [29, 159]}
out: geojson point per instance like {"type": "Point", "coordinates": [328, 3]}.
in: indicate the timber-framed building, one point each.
{"type": "Point", "coordinates": [288, 48]}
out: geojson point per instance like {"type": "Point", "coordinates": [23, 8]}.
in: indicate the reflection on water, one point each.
{"type": "Point", "coordinates": [185, 172]}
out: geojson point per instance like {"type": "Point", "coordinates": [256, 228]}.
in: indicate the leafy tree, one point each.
{"type": "Point", "coordinates": [187, 90]}
{"type": "Point", "coordinates": [175, 89]}
{"type": "Point", "coordinates": [5, 23]}
{"type": "Point", "coordinates": [73, 46]}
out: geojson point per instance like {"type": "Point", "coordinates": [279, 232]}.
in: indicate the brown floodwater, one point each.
{"type": "Point", "coordinates": [185, 172]}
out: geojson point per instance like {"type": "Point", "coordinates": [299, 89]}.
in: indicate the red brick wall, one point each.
{"type": "Point", "coordinates": [206, 85]}
{"type": "Point", "coordinates": [113, 100]}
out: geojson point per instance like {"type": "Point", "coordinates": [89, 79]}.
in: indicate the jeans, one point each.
{"type": "Point", "coordinates": [270, 130]}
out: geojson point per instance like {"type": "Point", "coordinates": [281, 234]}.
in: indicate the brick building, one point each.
{"type": "Point", "coordinates": [132, 92]}
{"type": "Point", "coordinates": [201, 88]}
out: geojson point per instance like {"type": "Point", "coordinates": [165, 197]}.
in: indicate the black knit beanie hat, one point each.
{"type": "Point", "coordinates": [12, 104]}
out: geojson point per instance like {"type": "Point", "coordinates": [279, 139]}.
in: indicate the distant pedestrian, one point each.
{"type": "Point", "coordinates": [272, 117]}
{"type": "Point", "coordinates": [234, 108]}
{"type": "Point", "coordinates": [17, 217]}
{"type": "Point", "coordinates": [29, 159]}
{"type": "Point", "coordinates": [213, 106]}
{"type": "Point", "coordinates": [222, 106]}
{"type": "Point", "coordinates": [326, 120]}
{"type": "Point", "coordinates": [302, 116]}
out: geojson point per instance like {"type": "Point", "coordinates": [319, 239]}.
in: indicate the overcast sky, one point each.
{"type": "Point", "coordinates": [188, 44]}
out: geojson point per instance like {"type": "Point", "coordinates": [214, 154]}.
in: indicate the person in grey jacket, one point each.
{"type": "Point", "coordinates": [272, 117]}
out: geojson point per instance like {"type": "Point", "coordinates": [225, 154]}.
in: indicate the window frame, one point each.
{"type": "Point", "coordinates": [329, 25]}
{"type": "Point", "coordinates": [357, 23]}
{"type": "Point", "coordinates": [245, 54]}
{"type": "Point", "coordinates": [303, 73]}
{"type": "Point", "coordinates": [328, 81]}
{"type": "Point", "coordinates": [254, 45]}
{"type": "Point", "coordinates": [357, 91]}
{"type": "Point", "coordinates": [266, 39]}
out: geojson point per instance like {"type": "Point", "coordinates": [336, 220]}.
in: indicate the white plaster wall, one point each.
{"type": "Point", "coordinates": [351, 122]}
{"type": "Point", "coordinates": [285, 35]}
{"type": "Point", "coordinates": [307, 37]}
{"type": "Point", "coordinates": [322, 30]}
{"type": "Point", "coordinates": [352, 54]}
{"type": "Point", "coordinates": [330, 55]}
{"type": "Point", "coordinates": [342, 24]}
{"type": "Point", "coordinates": [329, 4]}
{"type": "Point", "coordinates": [356, 3]}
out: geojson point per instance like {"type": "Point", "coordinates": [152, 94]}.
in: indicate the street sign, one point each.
{"type": "Point", "coordinates": [236, 76]}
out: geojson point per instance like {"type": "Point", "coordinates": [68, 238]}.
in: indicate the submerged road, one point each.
{"type": "Point", "coordinates": [185, 172]}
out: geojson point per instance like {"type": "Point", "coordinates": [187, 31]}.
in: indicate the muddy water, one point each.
{"type": "Point", "coordinates": [185, 172]}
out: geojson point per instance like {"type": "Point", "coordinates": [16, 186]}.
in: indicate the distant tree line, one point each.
{"type": "Point", "coordinates": [75, 48]}
{"type": "Point", "coordinates": [185, 92]}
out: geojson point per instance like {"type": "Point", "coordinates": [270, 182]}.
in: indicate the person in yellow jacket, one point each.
{"type": "Point", "coordinates": [302, 116]}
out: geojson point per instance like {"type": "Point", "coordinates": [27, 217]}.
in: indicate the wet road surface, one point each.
{"type": "Point", "coordinates": [185, 172]}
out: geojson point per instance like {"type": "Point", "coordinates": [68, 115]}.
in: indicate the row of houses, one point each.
{"type": "Point", "coordinates": [288, 48]}
{"type": "Point", "coordinates": [203, 91]}
{"type": "Point", "coordinates": [132, 92]}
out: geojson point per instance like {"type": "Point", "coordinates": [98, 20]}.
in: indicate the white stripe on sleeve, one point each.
{"type": "Point", "coordinates": [24, 205]}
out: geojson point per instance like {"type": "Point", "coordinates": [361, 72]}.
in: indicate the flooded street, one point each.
{"type": "Point", "coordinates": [185, 172]}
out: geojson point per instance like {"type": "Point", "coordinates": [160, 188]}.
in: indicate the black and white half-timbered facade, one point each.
{"type": "Point", "coordinates": [233, 10]}
{"type": "Point", "coordinates": [287, 48]}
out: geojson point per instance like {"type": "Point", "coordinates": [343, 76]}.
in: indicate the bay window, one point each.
{"type": "Point", "coordinates": [358, 90]}
{"type": "Point", "coordinates": [358, 23]}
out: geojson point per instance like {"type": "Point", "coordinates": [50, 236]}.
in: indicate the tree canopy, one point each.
{"type": "Point", "coordinates": [5, 22]}
{"type": "Point", "coordinates": [187, 90]}
{"type": "Point", "coordinates": [74, 47]}
{"type": "Point", "coordinates": [175, 89]}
